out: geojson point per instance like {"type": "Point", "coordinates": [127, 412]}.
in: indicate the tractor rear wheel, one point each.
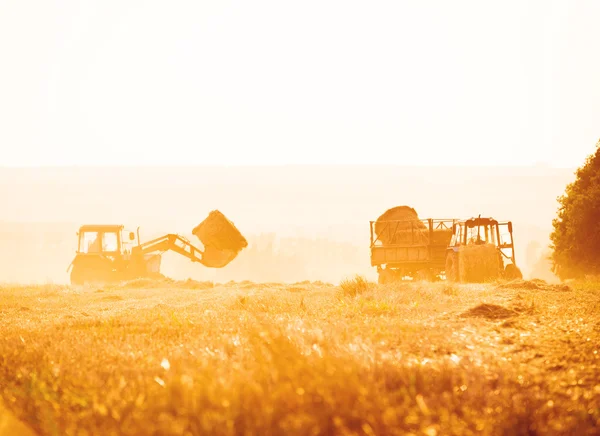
{"type": "Point", "coordinates": [80, 276]}
{"type": "Point", "coordinates": [451, 267]}
{"type": "Point", "coordinates": [91, 270]}
{"type": "Point", "coordinates": [77, 276]}
{"type": "Point", "coordinates": [512, 272]}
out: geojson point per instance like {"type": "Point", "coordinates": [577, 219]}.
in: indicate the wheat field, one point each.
{"type": "Point", "coordinates": [311, 358]}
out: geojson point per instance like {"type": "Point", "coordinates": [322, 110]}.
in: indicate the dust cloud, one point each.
{"type": "Point", "coordinates": [301, 222]}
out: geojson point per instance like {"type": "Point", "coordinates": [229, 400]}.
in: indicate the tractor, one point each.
{"type": "Point", "coordinates": [481, 249]}
{"type": "Point", "coordinates": [109, 253]}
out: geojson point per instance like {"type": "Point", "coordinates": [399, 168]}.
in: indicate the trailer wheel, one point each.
{"type": "Point", "coordinates": [425, 275]}
{"type": "Point", "coordinates": [382, 277]}
{"type": "Point", "coordinates": [451, 267]}
{"type": "Point", "coordinates": [386, 276]}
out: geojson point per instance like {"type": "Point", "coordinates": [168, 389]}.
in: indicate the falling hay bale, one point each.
{"type": "Point", "coordinates": [218, 232]}
{"type": "Point", "coordinates": [398, 223]}
{"type": "Point", "coordinates": [478, 263]}
{"type": "Point", "coordinates": [221, 239]}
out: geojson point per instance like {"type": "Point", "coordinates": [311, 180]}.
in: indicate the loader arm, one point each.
{"type": "Point", "coordinates": [174, 243]}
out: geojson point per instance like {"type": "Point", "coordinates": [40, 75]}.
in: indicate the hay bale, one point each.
{"type": "Point", "coordinates": [478, 263]}
{"type": "Point", "coordinates": [441, 237]}
{"type": "Point", "coordinates": [407, 220]}
{"type": "Point", "coordinates": [218, 233]}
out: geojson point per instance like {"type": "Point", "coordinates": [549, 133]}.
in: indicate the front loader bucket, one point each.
{"type": "Point", "coordinates": [215, 258]}
{"type": "Point", "coordinates": [221, 239]}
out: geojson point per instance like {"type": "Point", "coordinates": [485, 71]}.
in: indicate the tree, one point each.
{"type": "Point", "coordinates": [576, 235]}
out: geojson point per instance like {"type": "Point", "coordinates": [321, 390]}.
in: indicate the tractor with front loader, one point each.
{"type": "Point", "coordinates": [109, 253]}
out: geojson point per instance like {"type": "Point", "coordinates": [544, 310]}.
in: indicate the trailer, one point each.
{"type": "Point", "coordinates": [411, 248]}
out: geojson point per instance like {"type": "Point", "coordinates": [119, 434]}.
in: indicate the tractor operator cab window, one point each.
{"type": "Point", "coordinates": [89, 242]}
{"type": "Point", "coordinates": [457, 236]}
{"type": "Point", "coordinates": [478, 235]}
{"type": "Point", "coordinates": [96, 242]}
{"type": "Point", "coordinates": [505, 237]}
{"type": "Point", "coordinates": [110, 242]}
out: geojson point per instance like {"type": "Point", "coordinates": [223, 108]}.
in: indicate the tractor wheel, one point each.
{"type": "Point", "coordinates": [81, 276]}
{"type": "Point", "coordinates": [91, 273]}
{"type": "Point", "coordinates": [511, 272]}
{"type": "Point", "coordinates": [383, 277]}
{"type": "Point", "coordinates": [425, 275]}
{"type": "Point", "coordinates": [387, 276]}
{"type": "Point", "coordinates": [77, 276]}
{"type": "Point", "coordinates": [452, 267]}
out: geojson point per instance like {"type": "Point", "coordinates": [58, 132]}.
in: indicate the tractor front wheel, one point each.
{"type": "Point", "coordinates": [81, 276]}
{"type": "Point", "coordinates": [90, 273]}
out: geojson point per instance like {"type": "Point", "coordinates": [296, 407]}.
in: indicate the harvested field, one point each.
{"type": "Point", "coordinates": [490, 311]}
{"type": "Point", "coordinates": [192, 358]}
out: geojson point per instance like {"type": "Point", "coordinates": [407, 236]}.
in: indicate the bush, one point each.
{"type": "Point", "coordinates": [576, 235]}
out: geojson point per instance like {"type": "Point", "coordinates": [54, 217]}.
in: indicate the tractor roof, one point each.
{"type": "Point", "coordinates": [101, 228]}
{"type": "Point", "coordinates": [474, 222]}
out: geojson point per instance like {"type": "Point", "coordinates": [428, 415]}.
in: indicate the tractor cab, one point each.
{"type": "Point", "coordinates": [105, 239]}
{"type": "Point", "coordinates": [104, 252]}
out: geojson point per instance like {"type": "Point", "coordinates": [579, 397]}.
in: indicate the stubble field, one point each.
{"type": "Point", "coordinates": [191, 358]}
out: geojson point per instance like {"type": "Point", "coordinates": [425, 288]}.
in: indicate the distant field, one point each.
{"type": "Point", "coordinates": [189, 358]}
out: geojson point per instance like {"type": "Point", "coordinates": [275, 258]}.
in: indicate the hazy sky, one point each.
{"type": "Point", "coordinates": [269, 82]}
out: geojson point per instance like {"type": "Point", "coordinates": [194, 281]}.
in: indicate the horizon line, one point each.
{"type": "Point", "coordinates": [541, 165]}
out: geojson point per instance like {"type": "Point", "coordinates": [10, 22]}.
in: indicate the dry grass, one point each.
{"type": "Point", "coordinates": [355, 286]}
{"type": "Point", "coordinates": [257, 360]}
